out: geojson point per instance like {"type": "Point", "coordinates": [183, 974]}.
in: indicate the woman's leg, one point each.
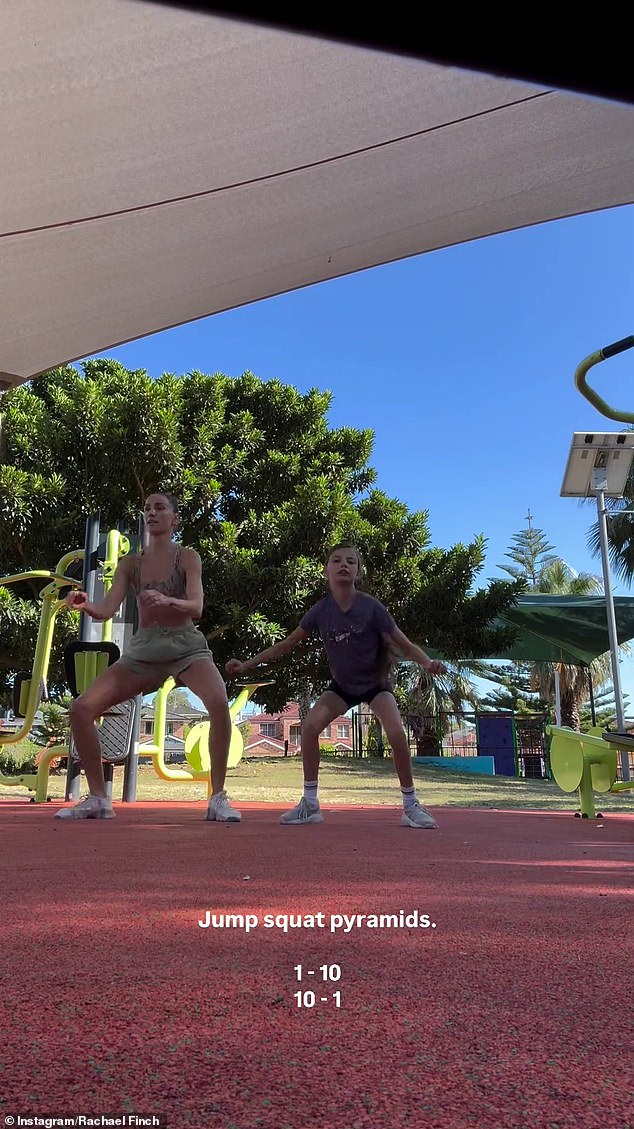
{"type": "Point", "coordinates": [115, 685]}
{"type": "Point", "coordinates": [205, 681]}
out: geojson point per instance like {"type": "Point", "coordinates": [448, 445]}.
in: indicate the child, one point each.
{"type": "Point", "coordinates": [356, 631]}
{"type": "Point", "coordinates": [167, 581]}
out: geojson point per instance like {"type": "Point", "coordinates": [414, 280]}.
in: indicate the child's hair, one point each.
{"type": "Point", "coordinates": [347, 545]}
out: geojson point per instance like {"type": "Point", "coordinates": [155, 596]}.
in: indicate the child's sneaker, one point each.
{"type": "Point", "coordinates": [220, 809]}
{"type": "Point", "coordinates": [416, 816]}
{"type": "Point", "coordinates": [92, 807]}
{"type": "Point", "coordinates": [304, 812]}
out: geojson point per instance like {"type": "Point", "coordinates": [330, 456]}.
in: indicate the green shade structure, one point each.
{"type": "Point", "coordinates": [569, 629]}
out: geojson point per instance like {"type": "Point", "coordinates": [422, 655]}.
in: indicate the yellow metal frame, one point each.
{"type": "Point", "coordinates": [196, 742]}
{"type": "Point", "coordinates": [586, 763]}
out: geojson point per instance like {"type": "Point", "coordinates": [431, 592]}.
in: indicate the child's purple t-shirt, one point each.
{"type": "Point", "coordinates": [353, 640]}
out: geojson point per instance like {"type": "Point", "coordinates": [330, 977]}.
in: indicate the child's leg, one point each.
{"type": "Point", "coordinates": [329, 706]}
{"type": "Point", "coordinates": [385, 708]}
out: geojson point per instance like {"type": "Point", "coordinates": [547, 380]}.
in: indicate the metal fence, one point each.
{"type": "Point", "coordinates": [456, 735]}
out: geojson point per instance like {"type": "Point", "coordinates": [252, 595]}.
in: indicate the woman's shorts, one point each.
{"type": "Point", "coordinates": [159, 653]}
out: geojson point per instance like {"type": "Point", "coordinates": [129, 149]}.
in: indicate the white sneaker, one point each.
{"type": "Point", "coordinates": [220, 809]}
{"type": "Point", "coordinates": [303, 812]}
{"type": "Point", "coordinates": [416, 816]}
{"type": "Point", "coordinates": [92, 807]}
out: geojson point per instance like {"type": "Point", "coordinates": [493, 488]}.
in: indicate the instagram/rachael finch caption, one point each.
{"type": "Point", "coordinates": [325, 976]}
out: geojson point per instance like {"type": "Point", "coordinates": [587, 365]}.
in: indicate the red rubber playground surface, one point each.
{"type": "Point", "coordinates": [514, 1010]}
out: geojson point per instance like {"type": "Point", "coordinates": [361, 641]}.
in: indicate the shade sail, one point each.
{"type": "Point", "coordinates": [162, 164]}
{"type": "Point", "coordinates": [569, 629]}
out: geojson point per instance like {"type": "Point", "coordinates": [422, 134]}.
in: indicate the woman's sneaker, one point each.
{"type": "Point", "coordinates": [93, 807]}
{"type": "Point", "coordinates": [416, 816]}
{"type": "Point", "coordinates": [304, 812]}
{"type": "Point", "coordinates": [220, 809]}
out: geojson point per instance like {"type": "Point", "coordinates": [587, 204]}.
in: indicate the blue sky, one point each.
{"type": "Point", "coordinates": [462, 362]}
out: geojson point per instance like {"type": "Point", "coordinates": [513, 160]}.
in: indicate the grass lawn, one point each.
{"type": "Point", "coordinates": [351, 781]}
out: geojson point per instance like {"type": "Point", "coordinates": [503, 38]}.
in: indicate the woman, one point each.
{"type": "Point", "coordinates": [166, 579]}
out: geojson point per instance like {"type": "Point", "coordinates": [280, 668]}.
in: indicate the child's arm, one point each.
{"type": "Point", "coordinates": [410, 650]}
{"type": "Point", "coordinates": [235, 666]}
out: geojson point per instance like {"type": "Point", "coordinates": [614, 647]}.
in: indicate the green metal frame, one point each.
{"type": "Point", "coordinates": [51, 605]}
{"type": "Point", "coordinates": [603, 354]}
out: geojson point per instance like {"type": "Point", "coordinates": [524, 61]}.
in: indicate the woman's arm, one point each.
{"type": "Point", "coordinates": [106, 608]}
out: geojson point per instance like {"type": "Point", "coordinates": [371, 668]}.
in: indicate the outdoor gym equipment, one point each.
{"type": "Point", "coordinates": [588, 362]}
{"type": "Point", "coordinates": [196, 741]}
{"type": "Point", "coordinates": [586, 763]}
{"type": "Point", "coordinates": [28, 688]}
{"type": "Point", "coordinates": [84, 660]}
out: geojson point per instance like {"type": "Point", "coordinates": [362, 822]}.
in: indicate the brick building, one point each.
{"type": "Point", "coordinates": [270, 732]}
{"type": "Point", "coordinates": [175, 721]}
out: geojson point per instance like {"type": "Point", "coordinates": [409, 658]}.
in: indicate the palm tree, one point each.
{"type": "Point", "coordinates": [620, 528]}
{"type": "Point", "coordinates": [559, 579]}
{"type": "Point", "coordinates": [573, 685]}
{"type": "Point", "coordinates": [428, 700]}
{"type": "Point", "coordinates": [551, 575]}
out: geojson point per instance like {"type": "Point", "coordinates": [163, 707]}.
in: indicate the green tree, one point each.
{"type": "Point", "coordinates": [513, 690]}
{"type": "Point", "coordinates": [179, 699]}
{"type": "Point", "coordinates": [265, 487]}
{"type": "Point", "coordinates": [530, 551]}
{"type": "Point", "coordinates": [604, 710]}
{"type": "Point", "coordinates": [620, 531]}
{"type": "Point", "coordinates": [558, 579]}
{"type": "Point", "coordinates": [54, 728]}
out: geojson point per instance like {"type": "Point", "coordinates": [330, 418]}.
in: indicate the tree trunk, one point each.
{"type": "Point", "coordinates": [425, 735]}
{"type": "Point", "coordinates": [570, 710]}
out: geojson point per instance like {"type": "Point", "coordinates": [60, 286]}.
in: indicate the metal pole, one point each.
{"type": "Point", "coordinates": [131, 766]}
{"type": "Point", "coordinates": [611, 617]}
{"type": "Point", "coordinates": [593, 712]}
{"type": "Point", "coordinates": [91, 547]}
